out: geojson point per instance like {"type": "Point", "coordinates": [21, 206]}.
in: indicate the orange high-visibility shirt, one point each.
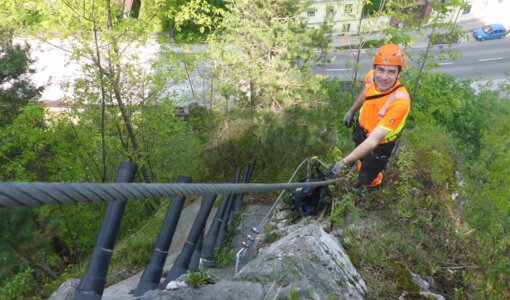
{"type": "Point", "coordinates": [388, 111]}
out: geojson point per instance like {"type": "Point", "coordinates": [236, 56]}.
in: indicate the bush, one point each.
{"type": "Point", "coordinates": [487, 208]}
{"type": "Point", "coordinates": [18, 286]}
{"type": "Point", "coordinates": [278, 141]}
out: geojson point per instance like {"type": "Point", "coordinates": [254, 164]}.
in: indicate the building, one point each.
{"type": "Point", "coordinates": [345, 16]}
{"type": "Point", "coordinates": [482, 12]}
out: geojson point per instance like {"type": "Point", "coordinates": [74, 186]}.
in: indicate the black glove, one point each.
{"type": "Point", "coordinates": [339, 169]}
{"type": "Point", "coordinates": [348, 119]}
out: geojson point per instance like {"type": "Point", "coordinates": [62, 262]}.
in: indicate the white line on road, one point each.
{"type": "Point", "coordinates": [331, 70]}
{"type": "Point", "coordinates": [488, 59]}
{"type": "Point", "coordinates": [445, 63]}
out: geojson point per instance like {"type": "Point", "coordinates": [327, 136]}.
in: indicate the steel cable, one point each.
{"type": "Point", "coordinates": [16, 194]}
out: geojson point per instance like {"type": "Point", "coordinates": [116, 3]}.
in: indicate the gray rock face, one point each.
{"type": "Point", "coordinates": [66, 291]}
{"type": "Point", "coordinates": [251, 217]}
{"type": "Point", "coordinates": [305, 262]}
{"type": "Point", "coordinates": [423, 286]}
{"type": "Point", "coordinates": [308, 261]}
{"type": "Point", "coordinates": [223, 290]}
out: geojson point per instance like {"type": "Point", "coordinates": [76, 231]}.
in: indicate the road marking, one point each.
{"type": "Point", "coordinates": [331, 70]}
{"type": "Point", "coordinates": [489, 59]}
{"type": "Point", "coordinates": [445, 63]}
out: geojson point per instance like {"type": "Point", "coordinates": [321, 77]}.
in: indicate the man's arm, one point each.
{"type": "Point", "coordinates": [359, 101]}
{"type": "Point", "coordinates": [367, 146]}
{"type": "Point", "coordinates": [348, 118]}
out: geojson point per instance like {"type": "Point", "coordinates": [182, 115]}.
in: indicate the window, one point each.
{"type": "Point", "coordinates": [348, 8]}
{"type": "Point", "coordinates": [346, 27]}
{"type": "Point", "coordinates": [467, 9]}
{"type": "Point", "coordinates": [331, 11]}
{"type": "Point", "coordinates": [310, 13]}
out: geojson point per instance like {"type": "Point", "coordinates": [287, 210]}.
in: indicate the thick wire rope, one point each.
{"type": "Point", "coordinates": [16, 194]}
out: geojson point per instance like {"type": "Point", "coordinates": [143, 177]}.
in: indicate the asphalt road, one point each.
{"type": "Point", "coordinates": [488, 60]}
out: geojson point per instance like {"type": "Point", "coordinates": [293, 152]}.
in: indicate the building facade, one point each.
{"type": "Point", "coordinates": [483, 12]}
{"type": "Point", "coordinates": [345, 17]}
{"type": "Point", "coordinates": [344, 14]}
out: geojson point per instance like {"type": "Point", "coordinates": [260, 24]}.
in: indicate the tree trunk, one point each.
{"type": "Point", "coordinates": [115, 76]}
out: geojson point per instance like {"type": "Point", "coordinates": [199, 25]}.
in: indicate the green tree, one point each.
{"type": "Point", "coordinates": [120, 79]}
{"type": "Point", "coordinates": [120, 109]}
{"type": "Point", "coordinates": [15, 89]}
{"type": "Point", "coordinates": [18, 14]}
{"type": "Point", "coordinates": [193, 19]}
{"type": "Point", "coordinates": [25, 249]}
{"type": "Point", "coordinates": [260, 59]}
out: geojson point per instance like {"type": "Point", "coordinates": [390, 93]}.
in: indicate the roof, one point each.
{"type": "Point", "coordinates": [497, 26]}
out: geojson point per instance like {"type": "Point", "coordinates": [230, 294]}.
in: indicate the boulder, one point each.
{"type": "Point", "coordinates": [307, 260]}
{"type": "Point", "coordinates": [66, 291]}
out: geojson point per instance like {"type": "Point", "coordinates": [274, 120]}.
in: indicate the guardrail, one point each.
{"type": "Point", "coordinates": [196, 247]}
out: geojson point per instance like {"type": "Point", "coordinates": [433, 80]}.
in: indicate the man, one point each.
{"type": "Point", "coordinates": [384, 104]}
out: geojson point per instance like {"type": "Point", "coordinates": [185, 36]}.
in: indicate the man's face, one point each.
{"type": "Point", "coordinates": [385, 77]}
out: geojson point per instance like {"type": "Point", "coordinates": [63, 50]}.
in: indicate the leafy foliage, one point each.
{"type": "Point", "coordinates": [192, 20]}
{"type": "Point", "coordinates": [18, 286]}
{"type": "Point", "coordinates": [86, 143]}
{"type": "Point", "coordinates": [274, 139]}
{"type": "Point", "coordinates": [200, 278]}
{"type": "Point", "coordinates": [345, 210]}
{"type": "Point", "coordinates": [15, 89]}
{"type": "Point", "coordinates": [486, 206]}
{"type": "Point", "coordinates": [270, 38]}
{"type": "Point", "coordinates": [24, 245]}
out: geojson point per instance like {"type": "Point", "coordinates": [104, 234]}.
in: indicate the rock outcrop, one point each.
{"type": "Point", "coordinates": [308, 260]}
{"type": "Point", "coordinates": [305, 261]}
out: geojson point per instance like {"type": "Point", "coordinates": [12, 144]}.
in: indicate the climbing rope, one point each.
{"type": "Point", "coordinates": [15, 194]}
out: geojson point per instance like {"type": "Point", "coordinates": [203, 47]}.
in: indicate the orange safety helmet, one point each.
{"type": "Point", "coordinates": [390, 55]}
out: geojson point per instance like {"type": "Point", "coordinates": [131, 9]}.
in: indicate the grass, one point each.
{"type": "Point", "coordinates": [417, 233]}
{"type": "Point", "coordinates": [271, 237]}
{"type": "Point", "coordinates": [223, 258]}
{"type": "Point", "coordinates": [200, 278]}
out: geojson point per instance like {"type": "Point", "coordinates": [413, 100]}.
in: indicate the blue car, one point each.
{"type": "Point", "coordinates": [493, 31]}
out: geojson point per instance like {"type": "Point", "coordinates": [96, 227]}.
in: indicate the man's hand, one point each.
{"type": "Point", "coordinates": [340, 168]}
{"type": "Point", "coordinates": [348, 119]}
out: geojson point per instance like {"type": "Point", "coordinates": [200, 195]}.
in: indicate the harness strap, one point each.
{"type": "Point", "coordinates": [383, 95]}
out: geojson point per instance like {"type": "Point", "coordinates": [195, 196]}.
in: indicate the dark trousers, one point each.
{"type": "Point", "coordinates": [376, 161]}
